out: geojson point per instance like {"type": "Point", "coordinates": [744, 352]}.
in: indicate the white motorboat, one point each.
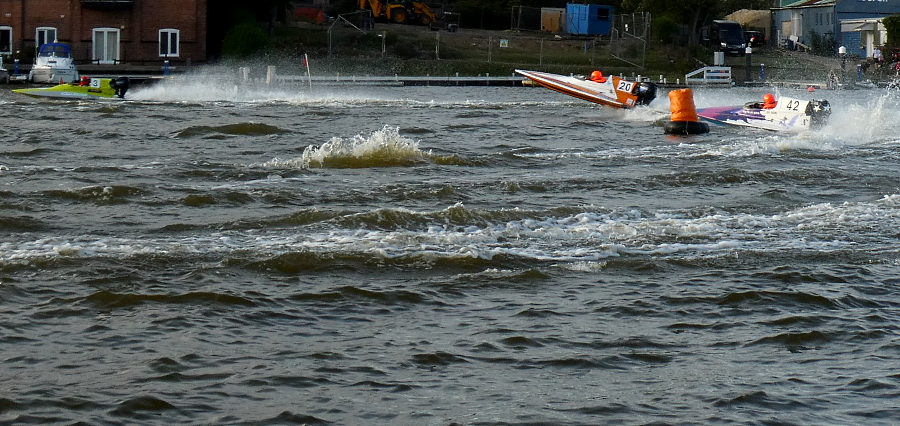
{"type": "Point", "coordinates": [54, 64]}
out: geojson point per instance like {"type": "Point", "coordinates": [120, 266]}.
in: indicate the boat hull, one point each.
{"type": "Point", "coordinates": [790, 115]}
{"type": "Point", "coordinates": [53, 75]}
{"type": "Point", "coordinates": [615, 92]}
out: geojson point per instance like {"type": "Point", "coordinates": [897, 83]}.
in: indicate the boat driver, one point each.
{"type": "Point", "coordinates": [769, 101]}
{"type": "Point", "coordinates": [598, 77]}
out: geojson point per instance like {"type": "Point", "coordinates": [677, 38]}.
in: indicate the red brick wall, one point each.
{"type": "Point", "coordinates": [189, 17]}
{"type": "Point", "coordinates": [46, 13]}
{"type": "Point", "coordinates": [139, 26]}
{"type": "Point", "coordinates": [11, 16]}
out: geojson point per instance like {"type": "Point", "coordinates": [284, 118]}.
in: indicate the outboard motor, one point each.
{"type": "Point", "coordinates": [120, 85]}
{"type": "Point", "coordinates": [646, 92]}
{"type": "Point", "coordinates": [818, 111]}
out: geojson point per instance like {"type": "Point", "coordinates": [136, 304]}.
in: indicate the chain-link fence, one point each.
{"type": "Point", "coordinates": [629, 36]}
{"type": "Point", "coordinates": [625, 48]}
{"type": "Point", "coordinates": [469, 45]}
{"type": "Point", "coordinates": [529, 50]}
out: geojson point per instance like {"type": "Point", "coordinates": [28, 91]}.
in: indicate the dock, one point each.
{"type": "Point", "coordinates": [141, 75]}
{"type": "Point", "coordinates": [397, 80]}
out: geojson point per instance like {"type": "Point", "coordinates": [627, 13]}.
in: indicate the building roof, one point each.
{"type": "Point", "coordinates": [811, 3]}
{"type": "Point", "coordinates": [868, 24]}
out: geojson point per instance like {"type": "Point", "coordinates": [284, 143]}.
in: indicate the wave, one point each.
{"type": "Point", "coordinates": [381, 148]}
{"type": "Point", "coordinates": [106, 300]}
{"type": "Point", "coordinates": [113, 194]}
{"type": "Point", "coordinates": [21, 223]}
{"type": "Point", "coordinates": [235, 129]}
{"type": "Point", "coordinates": [353, 294]}
{"type": "Point", "coordinates": [25, 154]}
{"type": "Point", "coordinates": [476, 239]}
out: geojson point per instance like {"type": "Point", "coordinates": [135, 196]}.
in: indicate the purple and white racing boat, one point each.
{"type": "Point", "coordinates": [789, 115]}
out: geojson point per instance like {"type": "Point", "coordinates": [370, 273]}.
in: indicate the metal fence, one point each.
{"type": "Point", "coordinates": [526, 48]}
{"type": "Point", "coordinates": [628, 40]}
{"type": "Point", "coordinates": [625, 47]}
{"type": "Point", "coordinates": [536, 50]}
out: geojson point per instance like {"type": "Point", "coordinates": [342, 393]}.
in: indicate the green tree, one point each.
{"type": "Point", "coordinates": [245, 39]}
{"type": "Point", "coordinates": [693, 13]}
{"type": "Point", "coordinates": [822, 44]}
{"type": "Point", "coordinates": [892, 25]}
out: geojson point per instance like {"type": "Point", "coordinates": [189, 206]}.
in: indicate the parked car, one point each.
{"type": "Point", "coordinates": [754, 38]}
{"type": "Point", "coordinates": [726, 36]}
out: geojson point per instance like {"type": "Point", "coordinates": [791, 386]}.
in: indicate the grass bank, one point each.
{"type": "Point", "coordinates": [391, 49]}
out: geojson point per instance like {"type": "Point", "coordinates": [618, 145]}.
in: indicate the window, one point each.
{"type": "Point", "coordinates": [602, 14]}
{"type": "Point", "coordinates": [106, 45]}
{"type": "Point", "coordinates": [5, 39]}
{"type": "Point", "coordinates": [168, 42]}
{"type": "Point", "coordinates": [44, 35]}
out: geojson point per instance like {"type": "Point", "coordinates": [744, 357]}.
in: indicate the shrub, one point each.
{"type": "Point", "coordinates": [244, 39]}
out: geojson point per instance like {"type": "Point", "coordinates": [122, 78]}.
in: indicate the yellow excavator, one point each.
{"type": "Point", "coordinates": [400, 12]}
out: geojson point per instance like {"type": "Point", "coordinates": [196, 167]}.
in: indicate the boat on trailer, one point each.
{"type": "Point", "coordinates": [612, 91]}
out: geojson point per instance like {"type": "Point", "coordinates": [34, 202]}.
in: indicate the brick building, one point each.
{"type": "Point", "coordinates": [139, 32]}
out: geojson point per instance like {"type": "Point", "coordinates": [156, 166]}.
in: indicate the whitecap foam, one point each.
{"type": "Point", "coordinates": [380, 147]}
{"type": "Point", "coordinates": [581, 239]}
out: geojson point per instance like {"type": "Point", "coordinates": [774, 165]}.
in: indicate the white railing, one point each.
{"type": "Point", "coordinates": [709, 75]}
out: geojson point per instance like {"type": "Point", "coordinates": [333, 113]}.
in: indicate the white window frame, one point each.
{"type": "Point", "coordinates": [9, 33]}
{"type": "Point", "coordinates": [46, 33]}
{"type": "Point", "coordinates": [106, 57]}
{"type": "Point", "coordinates": [165, 40]}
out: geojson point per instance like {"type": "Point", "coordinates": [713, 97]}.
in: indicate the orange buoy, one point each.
{"type": "Point", "coordinates": [681, 103]}
{"type": "Point", "coordinates": [684, 114]}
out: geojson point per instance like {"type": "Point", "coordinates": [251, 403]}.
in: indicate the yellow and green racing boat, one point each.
{"type": "Point", "coordinates": [85, 88]}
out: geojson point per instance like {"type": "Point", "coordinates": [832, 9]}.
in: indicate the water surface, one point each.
{"type": "Point", "coordinates": [213, 254]}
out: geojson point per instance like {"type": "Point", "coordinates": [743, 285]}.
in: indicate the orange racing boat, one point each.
{"type": "Point", "coordinates": [611, 91]}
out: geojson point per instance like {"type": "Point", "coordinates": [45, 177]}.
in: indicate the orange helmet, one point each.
{"type": "Point", "coordinates": [769, 98]}
{"type": "Point", "coordinates": [596, 75]}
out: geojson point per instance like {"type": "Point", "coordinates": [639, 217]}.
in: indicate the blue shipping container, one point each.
{"type": "Point", "coordinates": [589, 19]}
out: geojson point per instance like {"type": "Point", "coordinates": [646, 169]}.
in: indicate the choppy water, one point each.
{"type": "Point", "coordinates": [209, 254]}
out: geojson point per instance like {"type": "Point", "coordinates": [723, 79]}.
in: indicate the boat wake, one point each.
{"type": "Point", "coordinates": [863, 122]}
{"type": "Point", "coordinates": [183, 90]}
{"type": "Point", "coordinates": [857, 124]}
